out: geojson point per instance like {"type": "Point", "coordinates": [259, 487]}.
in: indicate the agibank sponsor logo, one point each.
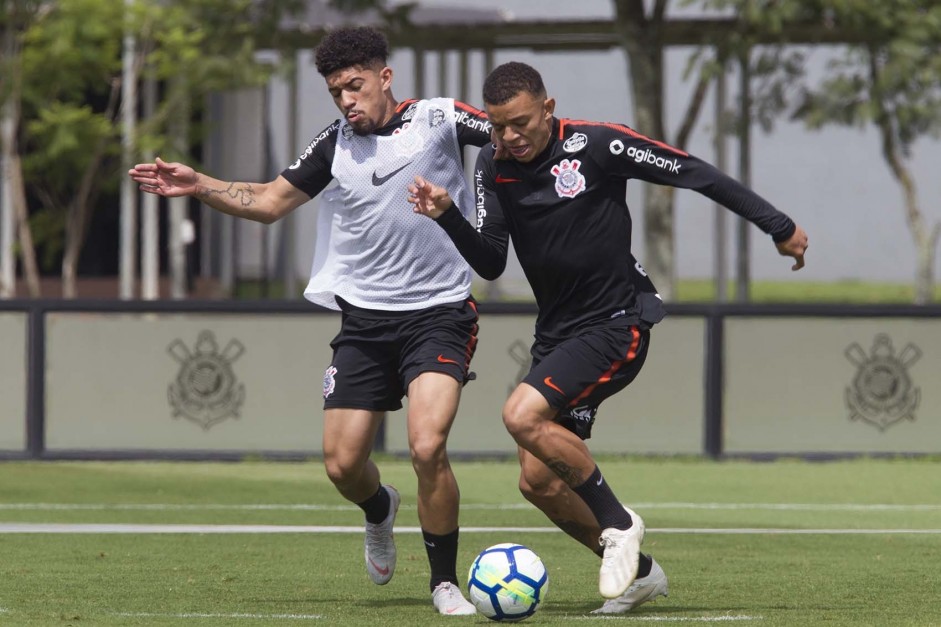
{"type": "Point", "coordinates": [646, 155]}
{"type": "Point", "coordinates": [468, 120]}
{"type": "Point", "coordinates": [313, 144]}
{"type": "Point", "coordinates": [479, 197]}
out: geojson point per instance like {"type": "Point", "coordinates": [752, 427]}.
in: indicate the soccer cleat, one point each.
{"type": "Point", "coordinates": [641, 591]}
{"type": "Point", "coordinates": [380, 545]}
{"type": "Point", "coordinates": [620, 561]}
{"type": "Point", "coordinates": [449, 600]}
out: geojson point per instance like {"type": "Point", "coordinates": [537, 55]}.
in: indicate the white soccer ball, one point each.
{"type": "Point", "coordinates": [507, 582]}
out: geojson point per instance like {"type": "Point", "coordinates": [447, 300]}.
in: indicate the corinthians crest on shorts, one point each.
{"type": "Point", "coordinates": [882, 392]}
{"type": "Point", "coordinates": [206, 390]}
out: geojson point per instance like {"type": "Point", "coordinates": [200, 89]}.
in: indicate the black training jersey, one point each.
{"type": "Point", "coordinates": [311, 173]}
{"type": "Point", "coordinates": [567, 214]}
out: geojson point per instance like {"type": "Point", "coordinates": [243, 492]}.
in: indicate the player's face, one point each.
{"type": "Point", "coordinates": [362, 96]}
{"type": "Point", "coordinates": [523, 124]}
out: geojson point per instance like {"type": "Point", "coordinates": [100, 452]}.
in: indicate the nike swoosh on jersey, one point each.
{"type": "Point", "coordinates": [444, 360]}
{"type": "Point", "coordinates": [503, 179]}
{"type": "Point", "coordinates": [548, 381]}
{"type": "Point", "coordinates": [379, 180]}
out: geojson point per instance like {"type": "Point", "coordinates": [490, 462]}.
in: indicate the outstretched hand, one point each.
{"type": "Point", "coordinates": [429, 199]}
{"type": "Point", "coordinates": [795, 247]}
{"type": "Point", "coordinates": [164, 179]}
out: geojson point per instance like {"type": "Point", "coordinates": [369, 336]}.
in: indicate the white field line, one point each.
{"type": "Point", "coordinates": [808, 507]}
{"type": "Point", "coordinates": [219, 615]}
{"type": "Point", "coordinates": [672, 619]}
{"type": "Point", "coordinates": [56, 528]}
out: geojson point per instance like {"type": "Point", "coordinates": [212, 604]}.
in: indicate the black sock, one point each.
{"type": "Point", "coordinates": [442, 556]}
{"type": "Point", "coordinates": [602, 502]}
{"type": "Point", "coordinates": [646, 563]}
{"type": "Point", "coordinates": [376, 506]}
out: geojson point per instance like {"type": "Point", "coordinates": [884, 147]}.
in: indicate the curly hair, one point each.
{"type": "Point", "coordinates": [507, 81]}
{"type": "Point", "coordinates": [351, 45]}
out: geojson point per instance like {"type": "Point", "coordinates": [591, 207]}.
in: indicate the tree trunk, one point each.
{"type": "Point", "coordinates": [925, 239]}
{"type": "Point", "coordinates": [82, 205]}
{"type": "Point", "coordinates": [71, 253]}
{"type": "Point", "coordinates": [12, 164]}
{"type": "Point", "coordinates": [179, 133]}
{"type": "Point", "coordinates": [924, 266]}
{"type": "Point", "coordinates": [13, 176]}
{"type": "Point", "coordinates": [641, 40]}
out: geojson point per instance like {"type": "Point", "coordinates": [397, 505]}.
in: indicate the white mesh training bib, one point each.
{"type": "Point", "coordinates": [372, 250]}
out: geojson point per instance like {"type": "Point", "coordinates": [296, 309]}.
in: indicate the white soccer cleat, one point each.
{"type": "Point", "coordinates": [620, 561]}
{"type": "Point", "coordinates": [449, 600]}
{"type": "Point", "coordinates": [380, 544]}
{"type": "Point", "coordinates": [641, 591]}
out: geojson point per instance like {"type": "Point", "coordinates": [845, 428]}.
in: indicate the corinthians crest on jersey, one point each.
{"type": "Point", "coordinates": [569, 182]}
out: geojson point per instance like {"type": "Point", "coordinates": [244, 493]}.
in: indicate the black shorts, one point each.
{"type": "Point", "coordinates": [377, 354]}
{"type": "Point", "coordinates": [578, 374]}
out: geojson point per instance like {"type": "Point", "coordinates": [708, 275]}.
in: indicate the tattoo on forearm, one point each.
{"type": "Point", "coordinates": [571, 476]}
{"type": "Point", "coordinates": [241, 192]}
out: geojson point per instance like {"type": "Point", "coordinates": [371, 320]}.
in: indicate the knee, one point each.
{"type": "Point", "coordinates": [518, 421]}
{"type": "Point", "coordinates": [536, 488]}
{"type": "Point", "coordinates": [342, 470]}
{"type": "Point", "coordinates": [428, 453]}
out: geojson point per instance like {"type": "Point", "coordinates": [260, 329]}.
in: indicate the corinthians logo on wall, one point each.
{"type": "Point", "coordinates": [882, 392]}
{"type": "Point", "coordinates": [205, 390]}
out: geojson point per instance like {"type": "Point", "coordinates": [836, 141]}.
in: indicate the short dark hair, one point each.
{"type": "Point", "coordinates": [351, 45]}
{"type": "Point", "coordinates": [507, 81]}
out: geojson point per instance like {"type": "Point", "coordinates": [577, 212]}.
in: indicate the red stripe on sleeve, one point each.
{"type": "Point", "coordinates": [466, 107]}
{"type": "Point", "coordinates": [623, 129]}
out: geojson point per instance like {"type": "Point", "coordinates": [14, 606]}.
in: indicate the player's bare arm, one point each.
{"type": "Point", "coordinates": [795, 246]}
{"type": "Point", "coordinates": [261, 202]}
{"type": "Point", "coordinates": [428, 199]}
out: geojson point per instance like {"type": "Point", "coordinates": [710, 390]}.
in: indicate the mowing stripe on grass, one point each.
{"type": "Point", "coordinates": [214, 615]}
{"type": "Point", "coordinates": [807, 507]}
{"type": "Point", "coordinates": [58, 528]}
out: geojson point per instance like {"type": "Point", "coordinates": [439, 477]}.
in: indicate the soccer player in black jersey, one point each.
{"type": "Point", "coordinates": [561, 198]}
{"type": "Point", "coordinates": [407, 327]}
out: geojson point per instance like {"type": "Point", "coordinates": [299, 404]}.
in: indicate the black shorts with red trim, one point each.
{"type": "Point", "coordinates": [377, 354]}
{"type": "Point", "coordinates": [578, 374]}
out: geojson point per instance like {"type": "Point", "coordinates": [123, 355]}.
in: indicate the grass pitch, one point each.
{"type": "Point", "coordinates": [784, 543]}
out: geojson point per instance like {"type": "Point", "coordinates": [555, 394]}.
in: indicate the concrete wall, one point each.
{"type": "Point", "coordinates": [194, 383]}
{"type": "Point", "coordinates": [12, 381]}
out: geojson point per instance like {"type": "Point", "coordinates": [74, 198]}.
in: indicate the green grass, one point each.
{"type": "Point", "coordinates": [856, 292]}
{"type": "Point", "coordinates": [266, 579]}
{"type": "Point", "coordinates": [698, 290]}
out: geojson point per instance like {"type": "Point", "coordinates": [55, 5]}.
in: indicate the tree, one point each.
{"type": "Point", "coordinates": [641, 33]}
{"type": "Point", "coordinates": [71, 94]}
{"type": "Point", "coordinates": [888, 75]}
{"type": "Point", "coordinates": [892, 81]}
{"type": "Point", "coordinates": [14, 16]}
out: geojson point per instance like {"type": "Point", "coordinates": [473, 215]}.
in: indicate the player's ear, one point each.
{"type": "Point", "coordinates": [385, 78]}
{"type": "Point", "coordinates": [549, 107]}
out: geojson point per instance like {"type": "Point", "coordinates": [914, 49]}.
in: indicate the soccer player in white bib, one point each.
{"type": "Point", "coordinates": [409, 326]}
